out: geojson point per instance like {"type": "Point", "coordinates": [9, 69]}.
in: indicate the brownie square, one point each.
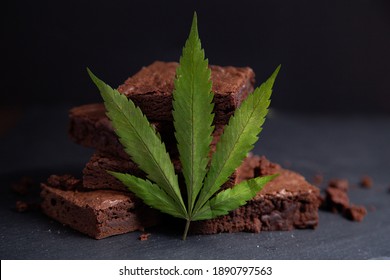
{"type": "Point", "coordinates": [285, 203]}
{"type": "Point", "coordinates": [100, 213]}
{"type": "Point", "coordinates": [151, 89]}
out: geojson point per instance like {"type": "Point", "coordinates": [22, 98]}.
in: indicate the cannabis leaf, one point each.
{"type": "Point", "coordinates": [238, 139]}
{"type": "Point", "coordinates": [193, 118]}
{"type": "Point", "coordinates": [233, 198]}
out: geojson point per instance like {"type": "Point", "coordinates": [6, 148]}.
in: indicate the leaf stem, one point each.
{"type": "Point", "coordinates": [186, 229]}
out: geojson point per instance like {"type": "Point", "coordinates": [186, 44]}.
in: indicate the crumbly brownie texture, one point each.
{"type": "Point", "coordinates": [151, 89]}
{"type": "Point", "coordinates": [95, 174]}
{"type": "Point", "coordinates": [100, 213]}
{"type": "Point", "coordinates": [90, 127]}
{"type": "Point", "coordinates": [287, 202]}
{"type": "Point", "coordinates": [337, 201]}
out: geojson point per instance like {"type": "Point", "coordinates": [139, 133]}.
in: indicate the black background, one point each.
{"type": "Point", "coordinates": [334, 54]}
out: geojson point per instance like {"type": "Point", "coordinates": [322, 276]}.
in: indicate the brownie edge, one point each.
{"type": "Point", "coordinates": [100, 213]}
{"type": "Point", "coordinates": [151, 89]}
{"type": "Point", "coordinates": [285, 203]}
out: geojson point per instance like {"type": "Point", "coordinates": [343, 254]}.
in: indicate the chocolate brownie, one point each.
{"type": "Point", "coordinates": [99, 213]}
{"type": "Point", "coordinates": [151, 89]}
{"type": "Point", "coordinates": [89, 126]}
{"type": "Point", "coordinates": [95, 174]}
{"type": "Point", "coordinates": [285, 203]}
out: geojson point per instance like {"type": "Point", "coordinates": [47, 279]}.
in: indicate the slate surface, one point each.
{"type": "Point", "coordinates": [334, 146]}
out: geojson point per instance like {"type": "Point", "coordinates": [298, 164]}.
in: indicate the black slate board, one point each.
{"type": "Point", "coordinates": [335, 146]}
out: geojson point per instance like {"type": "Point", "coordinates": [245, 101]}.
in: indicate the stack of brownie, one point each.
{"type": "Point", "coordinates": [100, 206]}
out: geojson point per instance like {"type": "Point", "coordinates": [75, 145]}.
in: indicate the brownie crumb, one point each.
{"type": "Point", "coordinates": [64, 182]}
{"type": "Point", "coordinates": [144, 236]}
{"type": "Point", "coordinates": [341, 184]}
{"type": "Point", "coordinates": [366, 182]}
{"type": "Point", "coordinates": [337, 201]}
{"type": "Point", "coordinates": [23, 185]}
{"type": "Point", "coordinates": [21, 206]}
{"type": "Point", "coordinates": [355, 213]}
{"type": "Point", "coordinates": [318, 179]}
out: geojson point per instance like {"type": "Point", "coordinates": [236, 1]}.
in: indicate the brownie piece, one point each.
{"type": "Point", "coordinates": [89, 126]}
{"type": "Point", "coordinates": [355, 213]}
{"type": "Point", "coordinates": [337, 201]}
{"type": "Point", "coordinates": [366, 182]}
{"type": "Point", "coordinates": [95, 174]}
{"type": "Point", "coordinates": [285, 203]}
{"type": "Point", "coordinates": [99, 213]}
{"type": "Point", "coordinates": [151, 89]}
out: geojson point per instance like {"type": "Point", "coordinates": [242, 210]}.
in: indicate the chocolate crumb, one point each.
{"type": "Point", "coordinates": [336, 200]}
{"type": "Point", "coordinates": [355, 213]}
{"type": "Point", "coordinates": [366, 182]}
{"type": "Point", "coordinates": [144, 236]}
{"type": "Point", "coordinates": [318, 179]}
{"type": "Point", "coordinates": [341, 184]}
{"type": "Point", "coordinates": [23, 185]}
{"type": "Point", "coordinates": [21, 206]}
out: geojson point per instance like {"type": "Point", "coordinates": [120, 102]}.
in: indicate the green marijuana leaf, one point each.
{"type": "Point", "coordinates": [233, 198]}
{"type": "Point", "coordinates": [193, 118]}
{"type": "Point", "coordinates": [238, 139]}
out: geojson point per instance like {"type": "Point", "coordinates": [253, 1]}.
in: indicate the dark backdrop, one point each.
{"type": "Point", "coordinates": [334, 54]}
